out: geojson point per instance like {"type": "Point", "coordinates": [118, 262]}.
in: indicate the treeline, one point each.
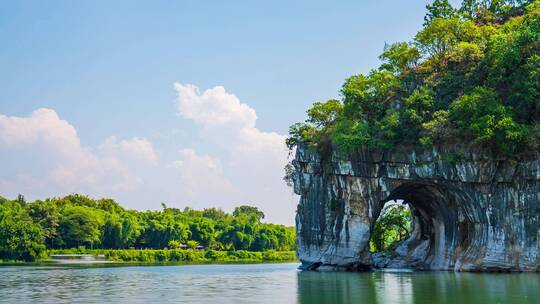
{"type": "Point", "coordinates": [28, 229]}
{"type": "Point", "coordinates": [471, 75]}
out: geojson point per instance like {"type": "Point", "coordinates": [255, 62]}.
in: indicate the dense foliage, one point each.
{"type": "Point", "coordinates": [179, 255]}
{"type": "Point", "coordinates": [393, 226]}
{"type": "Point", "coordinates": [27, 229]}
{"type": "Point", "coordinates": [471, 75]}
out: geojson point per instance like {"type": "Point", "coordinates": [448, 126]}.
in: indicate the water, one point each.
{"type": "Point", "coordinates": [257, 283]}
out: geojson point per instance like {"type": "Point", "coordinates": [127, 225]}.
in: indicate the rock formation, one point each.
{"type": "Point", "coordinates": [471, 212]}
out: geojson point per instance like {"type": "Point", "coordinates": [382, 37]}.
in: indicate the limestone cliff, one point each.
{"type": "Point", "coordinates": [471, 213]}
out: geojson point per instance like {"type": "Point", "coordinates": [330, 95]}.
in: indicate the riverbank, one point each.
{"type": "Point", "coordinates": [181, 255]}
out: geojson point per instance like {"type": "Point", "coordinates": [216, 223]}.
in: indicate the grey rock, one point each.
{"type": "Point", "coordinates": [475, 214]}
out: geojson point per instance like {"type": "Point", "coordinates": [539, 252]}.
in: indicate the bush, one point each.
{"type": "Point", "coordinates": [481, 115]}
{"type": "Point", "coordinates": [184, 256]}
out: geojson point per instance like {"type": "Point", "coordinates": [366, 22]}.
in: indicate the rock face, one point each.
{"type": "Point", "coordinates": [471, 212]}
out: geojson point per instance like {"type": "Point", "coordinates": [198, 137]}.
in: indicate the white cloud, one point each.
{"type": "Point", "coordinates": [253, 159]}
{"type": "Point", "coordinates": [215, 110]}
{"type": "Point", "coordinates": [43, 126]}
{"type": "Point", "coordinates": [201, 177]}
{"type": "Point", "coordinates": [54, 145]}
{"type": "Point", "coordinates": [138, 149]}
{"type": "Point", "coordinates": [214, 107]}
{"type": "Point", "coordinates": [194, 164]}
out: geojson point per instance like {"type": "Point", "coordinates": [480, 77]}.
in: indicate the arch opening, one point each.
{"type": "Point", "coordinates": [433, 230]}
{"type": "Point", "coordinates": [392, 227]}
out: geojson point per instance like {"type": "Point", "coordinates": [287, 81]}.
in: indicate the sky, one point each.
{"type": "Point", "coordinates": [185, 103]}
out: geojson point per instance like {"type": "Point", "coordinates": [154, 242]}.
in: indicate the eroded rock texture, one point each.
{"type": "Point", "coordinates": [471, 212]}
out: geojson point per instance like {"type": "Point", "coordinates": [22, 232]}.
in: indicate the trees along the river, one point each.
{"type": "Point", "coordinates": [202, 230]}
{"type": "Point", "coordinates": [120, 230]}
{"type": "Point", "coordinates": [161, 228]}
{"type": "Point", "coordinates": [73, 221]}
{"type": "Point", "coordinates": [46, 214]}
{"type": "Point", "coordinates": [239, 234]}
{"type": "Point", "coordinates": [20, 237]}
{"type": "Point", "coordinates": [249, 211]}
{"type": "Point", "coordinates": [80, 226]}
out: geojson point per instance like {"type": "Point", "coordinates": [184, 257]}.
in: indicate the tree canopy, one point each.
{"type": "Point", "coordinates": [27, 229]}
{"type": "Point", "coordinates": [471, 75]}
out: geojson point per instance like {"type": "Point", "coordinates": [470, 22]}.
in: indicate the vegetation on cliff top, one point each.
{"type": "Point", "coordinates": [27, 229]}
{"type": "Point", "coordinates": [471, 75]}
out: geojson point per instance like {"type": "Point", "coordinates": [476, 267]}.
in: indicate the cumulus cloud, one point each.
{"type": "Point", "coordinates": [214, 108]}
{"type": "Point", "coordinates": [201, 177]}
{"type": "Point", "coordinates": [193, 164]}
{"type": "Point", "coordinates": [253, 159]}
{"type": "Point", "coordinates": [43, 140]}
{"type": "Point", "coordinates": [137, 149]}
{"type": "Point", "coordinates": [42, 126]}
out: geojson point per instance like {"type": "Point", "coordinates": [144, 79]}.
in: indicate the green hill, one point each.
{"type": "Point", "coordinates": [471, 75]}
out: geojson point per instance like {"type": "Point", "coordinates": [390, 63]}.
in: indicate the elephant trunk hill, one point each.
{"type": "Point", "coordinates": [477, 214]}
{"type": "Point", "coordinates": [448, 124]}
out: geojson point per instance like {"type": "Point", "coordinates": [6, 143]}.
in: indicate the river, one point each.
{"type": "Point", "coordinates": [256, 283]}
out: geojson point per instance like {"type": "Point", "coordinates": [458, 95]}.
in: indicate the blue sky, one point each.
{"type": "Point", "coordinates": [107, 70]}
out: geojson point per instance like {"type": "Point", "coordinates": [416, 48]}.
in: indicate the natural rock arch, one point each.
{"type": "Point", "coordinates": [478, 214]}
{"type": "Point", "coordinates": [443, 217]}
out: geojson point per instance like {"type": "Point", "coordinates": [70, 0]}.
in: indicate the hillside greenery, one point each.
{"type": "Point", "coordinates": [470, 75]}
{"type": "Point", "coordinates": [29, 229]}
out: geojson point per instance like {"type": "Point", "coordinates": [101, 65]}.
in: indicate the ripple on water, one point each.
{"type": "Point", "coordinates": [257, 283]}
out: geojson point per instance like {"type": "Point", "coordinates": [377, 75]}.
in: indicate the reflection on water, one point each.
{"type": "Point", "coordinates": [417, 287]}
{"type": "Point", "coordinates": [257, 283]}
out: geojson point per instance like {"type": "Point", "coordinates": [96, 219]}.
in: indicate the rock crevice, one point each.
{"type": "Point", "coordinates": [475, 213]}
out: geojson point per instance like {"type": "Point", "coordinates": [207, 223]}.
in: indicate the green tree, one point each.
{"type": "Point", "coordinates": [441, 37]}
{"type": "Point", "coordinates": [439, 9]}
{"type": "Point", "coordinates": [240, 234]}
{"type": "Point", "coordinates": [161, 228]}
{"type": "Point", "coordinates": [393, 225]}
{"type": "Point", "coordinates": [249, 211]}
{"type": "Point", "coordinates": [483, 116]}
{"type": "Point", "coordinates": [324, 113]}
{"type": "Point", "coordinates": [120, 230]}
{"type": "Point", "coordinates": [265, 239]}
{"type": "Point", "coordinates": [202, 231]}
{"type": "Point", "coordinates": [46, 214]}
{"type": "Point", "coordinates": [300, 132]}
{"type": "Point", "coordinates": [367, 97]}
{"type": "Point", "coordinates": [400, 57]}
{"type": "Point", "coordinates": [214, 214]}
{"type": "Point", "coordinates": [80, 225]}
{"type": "Point", "coordinates": [417, 109]}
{"type": "Point", "coordinates": [20, 237]}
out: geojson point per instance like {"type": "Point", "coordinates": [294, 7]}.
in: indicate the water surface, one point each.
{"type": "Point", "coordinates": [256, 283]}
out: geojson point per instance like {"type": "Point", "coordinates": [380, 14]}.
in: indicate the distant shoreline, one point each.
{"type": "Point", "coordinates": [48, 263]}
{"type": "Point", "coordinates": [160, 256]}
